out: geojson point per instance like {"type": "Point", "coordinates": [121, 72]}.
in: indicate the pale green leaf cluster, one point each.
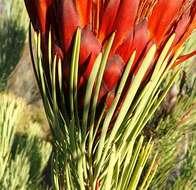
{"type": "Point", "coordinates": [22, 158]}
{"type": "Point", "coordinates": [103, 150]}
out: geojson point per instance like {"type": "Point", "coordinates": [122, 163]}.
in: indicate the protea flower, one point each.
{"type": "Point", "coordinates": [137, 25]}
{"type": "Point", "coordinates": [136, 38]}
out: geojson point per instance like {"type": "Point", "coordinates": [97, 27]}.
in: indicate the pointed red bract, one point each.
{"type": "Point", "coordinates": [124, 21]}
{"type": "Point", "coordinates": [89, 49]}
{"type": "Point", "coordinates": [163, 15]}
{"type": "Point", "coordinates": [43, 8]}
{"type": "Point", "coordinates": [184, 58]}
{"type": "Point", "coordinates": [113, 72]}
{"type": "Point", "coordinates": [108, 19]}
{"type": "Point", "coordinates": [137, 25]}
{"type": "Point", "coordinates": [128, 45]}
{"type": "Point", "coordinates": [84, 8]}
{"type": "Point", "coordinates": [189, 29]}
{"type": "Point", "coordinates": [32, 10]}
{"type": "Point", "coordinates": [182, 26]}
{"type": "Point", "coordinates": [68, 20]}
{"type": "Point", "coordinates": [140, 38]}
{"type": "Point", "coordinates": [38, 10]}
{"type": "Point", "coordinates": [136, 41]}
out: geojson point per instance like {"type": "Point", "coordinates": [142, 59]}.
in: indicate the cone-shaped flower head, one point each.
{"type": "Point", "coordinates": [137, 25]}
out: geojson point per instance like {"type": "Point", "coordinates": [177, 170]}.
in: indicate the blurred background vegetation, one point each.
{"type": "Point", "coordinates": [25, 146]}
{"type": "Point", "coordinates": [13, 30]}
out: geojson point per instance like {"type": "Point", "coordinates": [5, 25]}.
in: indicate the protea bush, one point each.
{"type": "Point", "coordinates": [99, 66]}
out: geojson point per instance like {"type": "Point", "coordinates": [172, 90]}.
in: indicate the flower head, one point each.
{"type": "Point", "coordinates": [137, 25]}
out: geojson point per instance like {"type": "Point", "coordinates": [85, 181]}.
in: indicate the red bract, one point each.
{"type": "Point", "coordinates": [137, 24]}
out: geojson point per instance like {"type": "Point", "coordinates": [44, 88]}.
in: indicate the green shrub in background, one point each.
{"type": "Point", "coordinates": [173, 128]}
{"type": "Point", "coordinates": [23, 157]}
{"type": "Point", "coordinates": [173, 137]}
{"type": "Point", "coordinates": [187, 178]}
{"type": "Point", "coordinates": [13, 29]}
